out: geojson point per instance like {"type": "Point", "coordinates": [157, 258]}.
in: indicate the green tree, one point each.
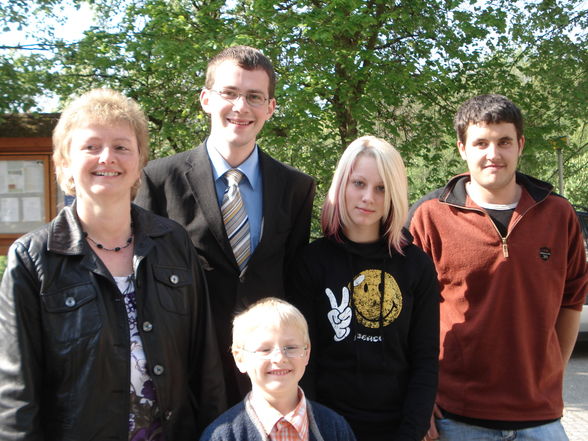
{"type": "Point", "coordinates": [346, 68]}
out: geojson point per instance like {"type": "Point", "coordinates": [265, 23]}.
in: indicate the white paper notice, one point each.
{"type": "Point", "coordinates": [33, 176]}
{"type": "Point", "coordinates": [9, 210]}
{"type": "Point", "coordinates": [15, 179]}
{"type": "Point", "coordinates": [3, 177]}
{"type": "Point", "coordinates": [32, 209]}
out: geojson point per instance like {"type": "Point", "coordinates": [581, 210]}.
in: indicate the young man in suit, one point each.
{"type": "Point", "coordinates": [248, 224]}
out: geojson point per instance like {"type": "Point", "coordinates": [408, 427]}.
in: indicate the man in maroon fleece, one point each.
{"type": "Point", "coordinates": [513, 276]}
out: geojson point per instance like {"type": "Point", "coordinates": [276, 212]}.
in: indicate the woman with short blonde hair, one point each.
{"type": "Point", "coordinates": [105, 327]}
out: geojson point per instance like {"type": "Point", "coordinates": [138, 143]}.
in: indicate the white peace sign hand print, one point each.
{"type": "Point", "coordinates": [340, 314]}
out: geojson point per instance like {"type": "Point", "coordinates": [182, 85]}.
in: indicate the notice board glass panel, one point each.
{"type": "Point", "coordinates": [23, 194]}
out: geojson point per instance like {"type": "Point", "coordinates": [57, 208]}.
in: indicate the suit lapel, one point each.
{"type": "Point", "coordinates": [200, 180]}
{"type": "Point", "coordinates": [272, 191]}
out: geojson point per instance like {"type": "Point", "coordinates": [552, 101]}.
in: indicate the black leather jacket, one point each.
{"type": "Point", "coordinates": [64, 337]}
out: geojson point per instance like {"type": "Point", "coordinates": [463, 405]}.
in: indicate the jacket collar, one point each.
{"type": "Point", "coordinates": [455, 193]}
{"type": "Point", "coordinates": [66, 235]}
{"type": "Point", "coordinates": [199, 178]}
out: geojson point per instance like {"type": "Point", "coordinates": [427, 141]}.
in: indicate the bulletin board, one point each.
{"type": "Point", "coordinates": [23, 193]}
{"type": "Point", "coordinates": [28, 192]}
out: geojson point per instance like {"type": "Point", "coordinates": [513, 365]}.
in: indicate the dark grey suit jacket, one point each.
{"type": "Point", "coordinates": [181, 187]}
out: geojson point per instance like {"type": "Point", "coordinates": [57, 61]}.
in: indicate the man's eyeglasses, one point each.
{"type": "Point", "coordinates": [291, 351]}
{"type": "Point", "coordinates": [254, 99]}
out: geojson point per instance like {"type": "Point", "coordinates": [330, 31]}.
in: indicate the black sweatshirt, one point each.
{"type": "Point", "coordinates": [374, 355]}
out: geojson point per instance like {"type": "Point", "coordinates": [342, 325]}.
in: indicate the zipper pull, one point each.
{"type": "Point", "coordinates": [504, 248]}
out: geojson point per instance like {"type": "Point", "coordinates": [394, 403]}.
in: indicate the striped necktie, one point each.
{"type": "Point", "coordinates": [235, 219]}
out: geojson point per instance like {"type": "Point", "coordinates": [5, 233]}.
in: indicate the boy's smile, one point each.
{"type": "Point", "coordinates": [275, 377]}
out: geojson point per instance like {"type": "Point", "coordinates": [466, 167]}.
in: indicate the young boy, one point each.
{"type": "Point", "coordinates": [271, 344]}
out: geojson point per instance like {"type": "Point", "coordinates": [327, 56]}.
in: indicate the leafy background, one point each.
{"type": "Point", "coordinates": [395, 69]}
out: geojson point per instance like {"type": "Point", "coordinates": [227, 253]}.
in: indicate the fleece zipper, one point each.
{"type": "Point", "coordinates": [503, 239]}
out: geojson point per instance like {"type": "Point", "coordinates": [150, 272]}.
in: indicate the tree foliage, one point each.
{"type": "Point", "coordinates": [396, 69]}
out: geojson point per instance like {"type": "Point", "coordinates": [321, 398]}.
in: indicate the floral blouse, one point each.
{"type": "Point", "coordinates": [143, 423]}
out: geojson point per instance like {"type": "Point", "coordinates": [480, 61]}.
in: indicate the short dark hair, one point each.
{"type": "Point", "coordinates": [247, 58]}
{"type": "Point", "coordinates": [489, 109]}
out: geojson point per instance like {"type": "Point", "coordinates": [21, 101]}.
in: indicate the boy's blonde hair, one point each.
{"type": "Point", "coordinates": [270, 311]}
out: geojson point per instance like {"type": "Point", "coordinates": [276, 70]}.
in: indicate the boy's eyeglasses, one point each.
{"type": "Point", "coordinates": [254, 99]}
{"type": "Point", "coordinates": [291, 351]}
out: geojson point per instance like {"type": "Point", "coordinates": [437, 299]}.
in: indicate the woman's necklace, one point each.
{"type": "Point", "coordinates": [115, 249]}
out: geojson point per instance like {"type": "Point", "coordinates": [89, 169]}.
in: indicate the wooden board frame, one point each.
{"type": "Point", "coordinates": [31, 149]}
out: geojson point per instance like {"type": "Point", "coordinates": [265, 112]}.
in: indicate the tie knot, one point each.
{"type": "Point", "coordinates": [233, 176]}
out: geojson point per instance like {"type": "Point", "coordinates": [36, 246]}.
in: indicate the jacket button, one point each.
{"type": "Point", "coordinates": [168, 415]}
{"type": "Point", "coordinates": [147, 326]}
{"type": "Point", "coordinates": [70, 302]}
{"type": "Point", "coordinates": [158, 369]}
{"type": "Point", "coordinates": [174, 279]}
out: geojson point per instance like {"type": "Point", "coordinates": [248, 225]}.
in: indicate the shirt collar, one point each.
{"type": "Point", "coordinates": [269, 416]}
{"type": "Point", "coordinates": [249, 167]}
